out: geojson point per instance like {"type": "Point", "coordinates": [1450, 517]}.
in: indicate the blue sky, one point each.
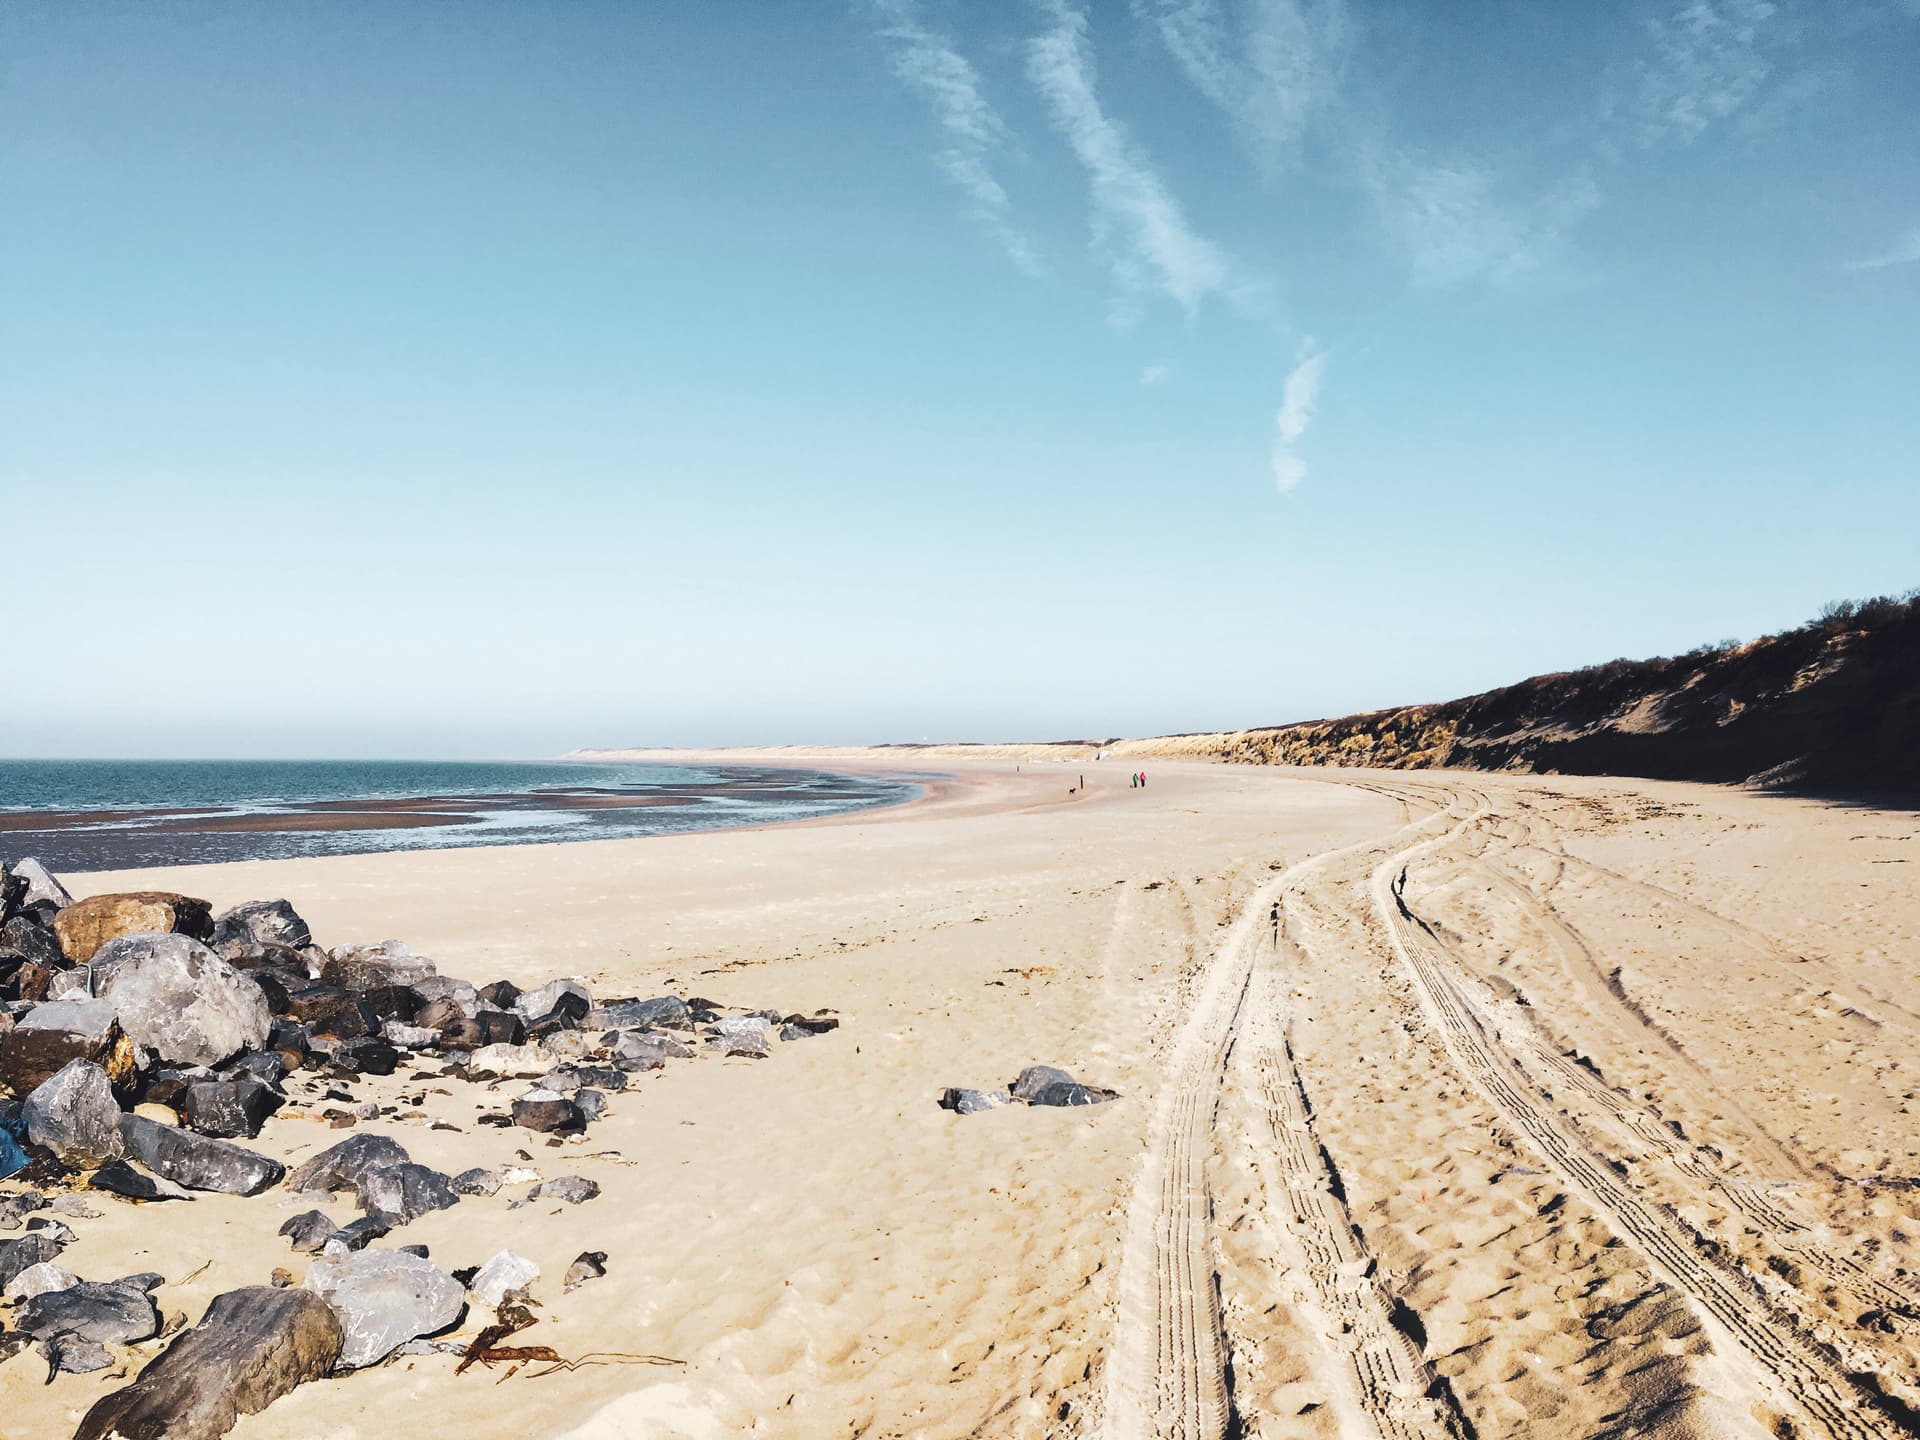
{"type": "Point", "coordinates": [495, 379]}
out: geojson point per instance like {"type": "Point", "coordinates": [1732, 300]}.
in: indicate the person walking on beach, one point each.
{"type": "Point", "coordinates": [1274, 916]}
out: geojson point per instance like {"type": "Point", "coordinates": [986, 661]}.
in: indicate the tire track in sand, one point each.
{"type": "Point", "coordinates": [1796, 1372]}
{"type": "Point", "coordinates": [1167, 1373]}
{"type": "Point", "coordinates": [1391, 1390]}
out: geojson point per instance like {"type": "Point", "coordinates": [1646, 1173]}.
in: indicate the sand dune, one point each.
{"type": "Point", "coordinates": [1558, 1107]}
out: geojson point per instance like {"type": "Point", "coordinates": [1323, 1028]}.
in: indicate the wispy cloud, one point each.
{"type": "Point", "coordinates": [1154, 374]}
{"type": "Point", "coordinates": [1708, 62]}
{"type": "Point", "coordinates": [1138, 224]}
{"type": "Point", "coordinates": [1269, 71]}
{"type": "Point", "coordinates": [1447, 218]}
{"type": "Point", "coordinates": [1298, 401]}
{"type": "Point", "coordinates": [929, 64]}
{"type": "Point", "coordinates": [1905, 251]}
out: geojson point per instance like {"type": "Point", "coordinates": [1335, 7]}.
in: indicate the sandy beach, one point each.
{"type": "Point", "coordinates": [1556, 1107]}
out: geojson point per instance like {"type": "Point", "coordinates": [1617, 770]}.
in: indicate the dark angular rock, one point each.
{"type": "Point", "coordinates": [551, 1023]}
{"type": "Point", "coordinates": [269, 1067]}
{"type": "Point", "coordinates": [117, 1177]}
{"type": "Point", "coordinates": [497, 1027]}
{"type": "Point", "coordinates": [274, 988]}
{"type": "Point", "coordinates": [198, 1162]}
{"type": "Point", "coordinates": [972, 1102]}
{"type": "Point", "coordinates": [1036, 1078]}
{"type": "Point", "coordinates": [115, 1312]}
{"type": "Point", "coordinates": [29, 1056]}
{"type": "Point", "coordinates": [348, 1021]}
{"type": "Point", "coordinates": [73, 1114]}
{"type": "Point", "coordinates": [477, 1181]}
{"type": "Point", "coordinates": [368, 1056]}
{"type": "Point", "coordinates": [395, 1002]}
{"type": "Point", "coordinates": [230, 1107]}
{"type": "Point", "coordinates": [588, 1265]}
{"type": "Point", "coordinates": [546, 1112]}
{"type": "Point", "coordinates": [358, 1234]}
{"type": "Point", "coordinates": [591, 1103]}
{"type": "Point", "coordinates": [84, 926]}
{"type": "Point", "coordinates": [254, 958]}
{"type": "Point", "coordinates": [439, 1013]}
{"type": "Point", "coordinates": [309, 1231]}
{"type": "Point", "coordinates": [28, 979]}
{"type": "Point", "coordinates": [262, 922]}
{"type": "Point", "coordinates": [14, 1207]}
{"type": "Point", "coordinates": [804, 1025]}
{"type": "Point", "coordinates": [13, 892]}
{"type": "Point", "coordinates": [21, 937]}
{"type": "Point", "coordinates": [501, 994]}
{"type": "Point", "coordinates": [32, 1249]}
{"type": "Point", "coordinates": [399, 1194]}
{"type": "Point", "coordinates": [169, 1087]}
{"type": "Point", "coordinates": [250, 1348]}
{"type": "Point", "coordinates": [340, 1167]}
{"type": "Point", "coordinates": [309, 1003]}
{"type": "Point", "coordinates": [42, 888]}
{"type": "Point", "coordinates": [462, 1034]}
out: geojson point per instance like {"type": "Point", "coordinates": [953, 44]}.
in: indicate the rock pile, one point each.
{"type": "Point", "coordinates": [1035, 1085]}
{"type": "Point", "coordinates": [143, 1036]}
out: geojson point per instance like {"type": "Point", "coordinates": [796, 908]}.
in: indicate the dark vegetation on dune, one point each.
{"type": "Point", "coordinates": [1831, 705]}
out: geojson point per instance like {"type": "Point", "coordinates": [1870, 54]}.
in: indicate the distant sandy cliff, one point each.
{"type": "Point", "coordinates": [1833, 704]}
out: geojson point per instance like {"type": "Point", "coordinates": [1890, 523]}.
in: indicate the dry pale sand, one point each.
{"type": "Point", "coordinates": [1560, 1107]}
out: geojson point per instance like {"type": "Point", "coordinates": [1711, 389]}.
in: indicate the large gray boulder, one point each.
{"type": "Point", "coordinates": [382, 1299]}
{"type": "Point", "coordinates": [261, 922]}
{"type": "Point", "coordinates": [73, 1114]}
{"type": "Point", "coordinates": [198, 1162]}
{"type": "Point", "coordinates": [178, 999]}
{"type": "Point", "coordinates": [344, 1166]}
{"type": "Point", "coordinates": [42, 887]}
{"type": "Point", "coordinates": [250, 1348]}
{"type": "Point", "coordinates": [114, 1312]}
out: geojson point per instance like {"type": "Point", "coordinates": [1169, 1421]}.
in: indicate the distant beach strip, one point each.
{"type": "Point", "coordinates": [110, 815]}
